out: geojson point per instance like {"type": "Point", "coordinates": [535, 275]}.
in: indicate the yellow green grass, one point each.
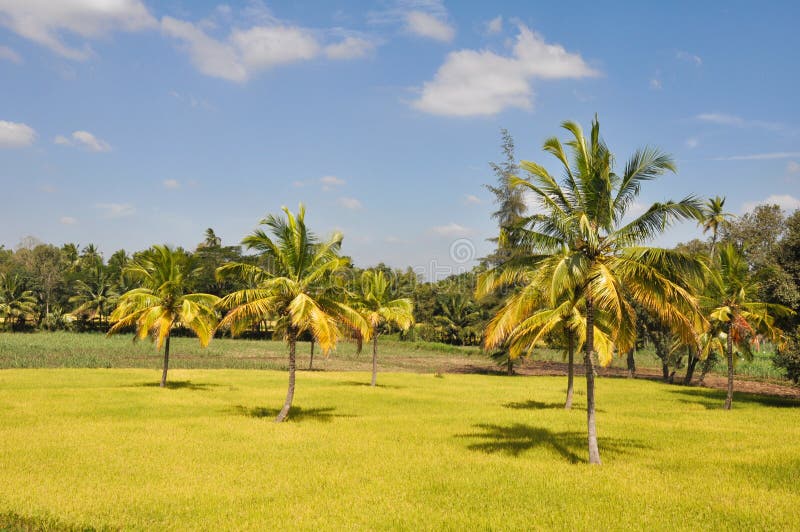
{"type": "Point", "coordinates": [107, 448]}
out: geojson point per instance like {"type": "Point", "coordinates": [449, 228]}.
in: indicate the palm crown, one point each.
{"type": "Point", "coordinates": [161, 301]}
{"type": "Point", "coordinates": [15, 301]}
{"type": "Point", "coordinates": [295, 286]}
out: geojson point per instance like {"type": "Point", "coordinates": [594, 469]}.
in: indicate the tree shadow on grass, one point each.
{"type": "Point", "coordinates": [715, 399]}
{"type": "Point", "coordinates": [541, 405]}
{"type": "Point", "coordinates": [517, 438]}
{"type": "Point", "coordinates": [297, 413]}
{"type": "Point", "coordinates": [367, 385]}
{"type": "Point", "coordinates": [179, 385]}
{"type": "Point", "coordinates": [533, 405]}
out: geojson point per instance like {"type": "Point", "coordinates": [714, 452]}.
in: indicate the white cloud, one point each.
{"type": "Point", "coordinates": [349, 48]}
{"type": "Point", "coordinates": [724, 119]}
{"type": "Point", "coordinates": [691, 58]}
{"type": "Point", "coordinates": [451, 229]}
{"type": "Point", "coordinates": [16, 134]}
{"type": "Point", "coordinates": [471, 199]}
{"type": "Point", "coordinates": [721, 119]}
{"type": "Point", "coordinates": [264, 47]}
{"type": "Point", "coordinates": [793, 167]}
{"type": "Point", "coordinates": [8, 54]}
{"type": "Point", "coordinates": [350, 203]}
{"type": "Point", "coordinates": [483, 83]}
{"type": "Point", "coordinates": [83, 139]}
{"type": "Point", "coordinates": [116, 210]}
{"type": "Point", "coordinates": [46, 21]}
{"type": "Point", "coordinates": [47, 188]}
{"type": "Point", "coordinates": [208, 55]}
{"type": "Point", "coordinates": [495, 25]}
{"type": "Point", "coordinates": [692, 142]}
{"type": "Point", "coordinates": [784, 201]}
{"type": "Point", "coordinates": [656, 84]}
{"type": "Point", "coordinates": [332, 180]}
{"type": "Point", "coordinates": [67, 220]}
{"type": "Point", "coordinates": [429, 25]}
{"type": "Point", "coordinates": [171, 184]}
{"type": "Point", "coordinates": [246, 52]}
{"type": "Point", "coordinates": [760, 156]}
{"type": "Point", "coordinates": [191, 100]}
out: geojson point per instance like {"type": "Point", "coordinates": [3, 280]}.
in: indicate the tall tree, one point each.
{"type": "Point", "coordinates": [737, 317]}
{"type": "Point", "coordinates": [294, 288]}
{"type": "Point", "coordinates": [16, 303]}
{"type": "Point", "coordinates": [714, 218]}
{"type": "Point", "coordinates": [584, 246]}
{"type": "Point", "coordinates": [510, 201]}
{"type": "Point", "coordinates": [95, 295]}
{"type": "Point", "coordinates": [378, 304]}
{"type": "Point", "coordinates": [47, 267]}
{"type": "Point", "coordinates": [163, 302]}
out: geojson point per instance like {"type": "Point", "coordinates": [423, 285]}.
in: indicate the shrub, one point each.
{"type": "Point", "coordinates": [787, 357]}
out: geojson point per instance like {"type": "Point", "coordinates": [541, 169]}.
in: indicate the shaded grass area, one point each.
{"type": "Point", "coordinates": [106, 449]}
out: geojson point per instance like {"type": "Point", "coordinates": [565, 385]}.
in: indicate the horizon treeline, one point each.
{"type": "Point", "coordinates": [73, 287]}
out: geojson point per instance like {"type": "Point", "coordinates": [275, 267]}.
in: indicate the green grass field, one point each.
{"type": "Point", "coordinates": [105, 448]}
{"type": "Point", "coordinates": [92, 350]}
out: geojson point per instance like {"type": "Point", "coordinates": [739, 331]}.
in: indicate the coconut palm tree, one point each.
{"type": "Point", "coordinates": [713, 218]}
{"type": "Point", "coordinates": [96, 295]}
{"type": "Point", "coordinates": [16, 302]}
{"type": "Point", "coordinates": [294, 288]}
{"type": "Point", "coordinates": [584, 244]}
{"type": "Point", "coordinates": [531, 314]}
{"type": "Point", "coordinates": [377, 304]}
{"type": "Point", "coordinates": [162, 303]}
{"type": "Point", "coordinates": [737, 320]}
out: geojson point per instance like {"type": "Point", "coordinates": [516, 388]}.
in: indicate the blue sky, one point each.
{"type": "Point", "coordinates": [127, 122]}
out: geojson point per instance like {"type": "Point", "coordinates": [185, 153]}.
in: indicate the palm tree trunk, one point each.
{"type": "Point", "coordinates": [166, 362]}
{"type": "Point", "coordinates": [631, 362]}
{"type": "Point", "coordinates": [287, 405]}
{"type": "Point", "coordinates": [594, 451]}
{"type": "Point", "coordinates": [690, 367]}
{"type": "Point", "coordinates": [509, 366]}
{"type": "Point", "coordinates": [729, 356]}
{"type": "Point", "coordinates": [707, 363]}
{"type": "Point", "coordinates": [570, 370]}
{"type": "Point", "coordinates": [311, 361]}
{"type": "Point", "coordinates": [374, 357]}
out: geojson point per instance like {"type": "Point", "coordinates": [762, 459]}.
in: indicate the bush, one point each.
{"type": "Point", "coordinates": [787, 357]}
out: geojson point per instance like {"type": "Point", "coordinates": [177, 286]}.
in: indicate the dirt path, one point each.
{"type": "Point", "coordinates": [711, 381]}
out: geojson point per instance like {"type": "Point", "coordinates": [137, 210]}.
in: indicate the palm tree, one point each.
{"type": "Point", "coordinates": [528, 317]}
{"type": "Point", "coordinates": [91, 257]}
{"type": "Point", "coordinates": [96, 295]}
{"type": "Point", "coordinates": [162, 303]}
{"type": "Point", "coordinates": [295, 288]}
{"type": "Point", "coordinates": [376, 304]}
{"type": "Point", "coordinates": [455, 320]}
{"type": "Point", "coordinates": [737, 321]}
{"type": "Point", "coordinates": [713, 218]}
{"type": "Point", "coordinates": [584, 245]}
{"type": "Point", "coordinates": [16, 303]}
